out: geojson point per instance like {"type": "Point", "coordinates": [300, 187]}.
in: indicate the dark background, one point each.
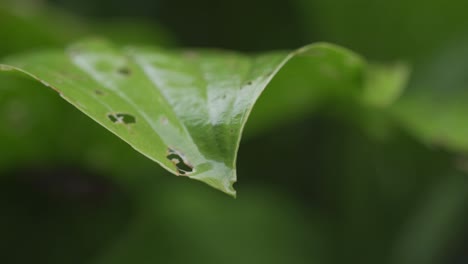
{"type": "Point", "coordinates": [343, 184]}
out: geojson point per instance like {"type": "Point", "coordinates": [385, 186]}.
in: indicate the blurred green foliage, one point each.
{"type": "Point", "coordinates": [349, 183]}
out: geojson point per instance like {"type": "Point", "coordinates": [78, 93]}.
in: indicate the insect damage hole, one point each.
{"type": "Point", "coordinates": [121, 118]}
{"type": "Point", "coordinates": [183, 166]}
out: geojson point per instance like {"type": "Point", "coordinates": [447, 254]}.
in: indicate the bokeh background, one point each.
{"type": "Point", "coordinates": [344, 183]}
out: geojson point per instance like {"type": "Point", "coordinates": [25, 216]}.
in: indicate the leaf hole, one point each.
{"type": "Point", "coordinates": [182, 165]}
{"type": "Point", "coordinates": [121, 118]}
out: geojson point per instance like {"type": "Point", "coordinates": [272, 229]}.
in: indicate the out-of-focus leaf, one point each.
{"type": "Point", "coordinates": [186, 110]}
{"type": "Point", "coordinates": [430, 34]}
{"type": "Point", "coordinates": [31, 27]}
{"type": "Point", "coordinates": [435, 106]}
{"type": "Point", "coordinates": [385, 83]}
{"type": "Point", "coordinates": [385, 29]}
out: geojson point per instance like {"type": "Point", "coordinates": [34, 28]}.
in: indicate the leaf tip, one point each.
{"type": "Point", "coordinates": [218, 176]}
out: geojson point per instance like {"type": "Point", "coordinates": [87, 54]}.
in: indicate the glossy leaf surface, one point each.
{"type": "Point", "coordinates": [186, 109]}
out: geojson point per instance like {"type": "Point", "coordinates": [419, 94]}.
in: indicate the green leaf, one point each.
{"type": "Point", "coordinates": [385, 83]}
{"type": "Point", "coordinates": [186, 109]}
{"type": "Point", "coordinates": [434, 105]}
